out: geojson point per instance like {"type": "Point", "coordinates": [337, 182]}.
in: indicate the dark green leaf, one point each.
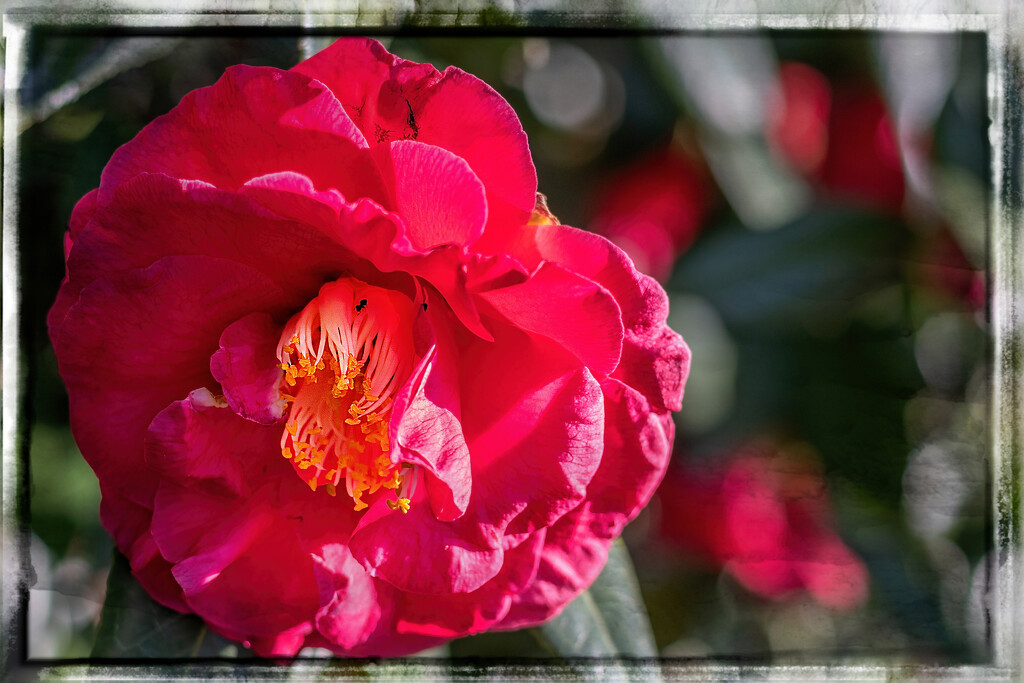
{"type": "Point", "coordinates": [133, 625]}
{"type": "Point", "coordinates": [607, 621]}
{"type": "Point", "coordinates": [808, 272]}
{"type": "Point", "coordinates": [579, 631]}
{"type": "Point", "coordinates": [616, 592]}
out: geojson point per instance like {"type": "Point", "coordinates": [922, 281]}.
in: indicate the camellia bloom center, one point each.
{"type": "Point", "coordinates": [343, 357]}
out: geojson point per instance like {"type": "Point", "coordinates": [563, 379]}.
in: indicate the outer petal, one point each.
{"type": "Point", "coordinates": [572, 558]}
{"type": "Point", "coordinates": [227, 546]}
{"type": "Point", "coordinates": [575, 312]}
{"type": "Point", "coordinates": [151, 331]}
{"type": "Point", "coordinates": [534, 433]}
{"type": "Point", "coordinates": [154, 573]}
{"type": "Point", "coordinates": [637, 447]}
{"type": "Point", "coordinates": [453, 616]}
{"type": "Point", "coordinates": [246, 367]}
{"type": "Point", "coordinates": [459, 557]}
{"type": "Point", "coordinates": [129, 524]}
{"type": "Point", "coordinates": [153, 216]}
{"type": "Point", "coordinates": [236, 598]}
{"type": "Point", "coordinates": [392, 99]}
{"type": "Point", "coordinates": [253, 121]}
{"type": "Point", "coordinates": [80, 217]}
{"type": "Point", "coordinates": [655, 360]}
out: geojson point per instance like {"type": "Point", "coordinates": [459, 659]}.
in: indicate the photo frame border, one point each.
{"type": "Point", "coordinates": [999, 20]}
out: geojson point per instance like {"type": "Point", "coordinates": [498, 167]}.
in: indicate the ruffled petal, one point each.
{"type": "Point", "coordinates": [572, 557]}
{"type": "Point", "coordinates": [533, 420]}
{"type": "Point", "coordinates": [351, 609]}
{"type": "Point", "coordinates": [636, 451]}
{"type": "Point", "coordinates": [637, 448]}
{"type": "Point", "coordinates": [419, 553]}
{"type": "Point", "coordinates": [428, 416]}
{"type": "Point", "coordinates": [197, 442]}
{"type": "Point", "coordinates": [154, 216]}
{"type": "Point", "coordinates": [253, 121]}
{"type": "Point", "coordinates": [246, 366]}
{"type": "Point", "coordinates": [153, 572]}
{"type": "Point", "coordinates": [655, 360]}
{"type": "Point", "coordinates": [393, 99]}
{"type": "Point", "coordinates": [129, 524]}
{"type": "Point", "coordinates": [575, 312]}
{"type": "Point", "coordinates": [378, 236]}
{"type": "Point", "coordinates": [453, 616]}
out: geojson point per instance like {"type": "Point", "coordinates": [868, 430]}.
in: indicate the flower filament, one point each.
{"type": "Point", "coordinates": [344, 355]}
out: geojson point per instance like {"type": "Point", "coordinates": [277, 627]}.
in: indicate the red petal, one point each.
{"type": "Point", "coordinates": [427, 424]}
{"type": "Point", "coordinates": [655, 359]}
{"type": "Point", "coordinates": [198, 442]}
{"type": "Point", "coordinates": [376, 235]}
{"type": "Point", "coordinates": [253, 121]}
{"type": "Point", "coordinates": [571, 310]}
{"type": "Point", "coordinates": [137, 341]}
{"type": "Point", "coordinates": [351, 609]}
{"type": "Point", "coordinates": [391, 99]}
{"type": "Point", "coordinates": [154, 216]}
{"type": "Point", "coordinates": [437, 194]}
{"type": "Point", "coordinates": [246, 366]}
{"type": "Point", "coordinates": [637, 448]}
{"type": "Point", "coordinates": [417, 552]}
{"type": "Point", "coordinates": [572, 558]}
{"type": "Point", "coordinates": [533, 421]}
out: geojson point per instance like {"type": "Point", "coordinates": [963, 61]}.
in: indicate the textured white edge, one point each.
{"type": "Point", "coordinates": [1006, 278]}
{"type": "Point", "coordinates": [999, 19]}
{"type": "Point", "coordinates": [14, 550]}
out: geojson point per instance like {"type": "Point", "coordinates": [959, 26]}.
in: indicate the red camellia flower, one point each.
{"type": "Point", "coordinates": [338, 388]}
{"type": "Point", "coordinates": [653, 209]}
{"type": "Point", "coordinates": [764, 518]}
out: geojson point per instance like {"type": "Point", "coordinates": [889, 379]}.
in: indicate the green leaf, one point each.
{"type": "Point", "coordinates": [616, 593]}
{"type": "Point", "coordinates": [811, 270]}
{"type": "Point", "coordinates": [606, 623]}
{"type": "Point", "coordinates": [579, 630]}
{"type": "Point", "coordinates": [133, 625]}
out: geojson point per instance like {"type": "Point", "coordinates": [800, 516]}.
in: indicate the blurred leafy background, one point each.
{"type": "Point", "coordinates": [815, 204]}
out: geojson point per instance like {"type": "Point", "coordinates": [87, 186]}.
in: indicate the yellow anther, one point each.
{"type": "Point", "coordinates": [351, 421]}
{"type": "Point", "coordinates": [287, 453]}
{"type": "Point", "coordinates": [402, 504]}
{"type": "Point", "coordinates": [331, 490]}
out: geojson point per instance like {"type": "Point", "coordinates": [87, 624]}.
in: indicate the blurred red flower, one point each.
{"type": "Point", "coordinates": [653, 209]}
{"type": "Point", "coordinates": [842, 138]}
{"type": "Point", "coordinates": [764, 518]}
